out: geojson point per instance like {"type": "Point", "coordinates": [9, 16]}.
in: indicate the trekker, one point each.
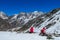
{"type": "Point", "coordinates": [31, 29]}
{"type": "Point", "coordinates": [43, 31]}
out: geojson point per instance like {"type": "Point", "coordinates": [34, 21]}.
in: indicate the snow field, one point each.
{"type": "Point", "coordinates": [20, 36]}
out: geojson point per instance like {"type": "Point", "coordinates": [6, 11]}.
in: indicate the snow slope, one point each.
{"type": "Point", "coordinates": [20, 36]}
{"type": "Point", "coordinates": [56, 26]}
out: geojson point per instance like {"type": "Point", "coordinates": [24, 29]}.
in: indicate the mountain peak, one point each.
{"type": "Point", "coordinates": [35, 11]}
{"type": "Point", "coordinates": [3, 15]}
{"type": "Point", "coordinates": [55, 10]}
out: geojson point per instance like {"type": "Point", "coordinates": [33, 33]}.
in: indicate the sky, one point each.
{"type": "Point", "coordinates": [11, 7]}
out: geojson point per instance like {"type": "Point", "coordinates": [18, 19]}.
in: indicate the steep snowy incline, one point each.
{"type": "Point", "coordinates": [54, 28]}
{"type": "Point", "coordinates": [51, 20]}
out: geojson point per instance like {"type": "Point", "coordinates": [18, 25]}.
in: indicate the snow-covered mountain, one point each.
{"type": "Point", "coordinates": [22, 18]}
{"type": "Point", "coordinates": [27, 16]}
{"type": "Point", "coordinates": [51, 21]}
{"type": "Point", "coordinates": [3, 15]}
{"type": "Point", "coordinates": [23, 21]}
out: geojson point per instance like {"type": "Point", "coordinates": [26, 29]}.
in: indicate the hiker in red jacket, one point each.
{"type": "Point", "coordinates": [43, 31]}
{"type": "Point", "coordinates": [31, 29]}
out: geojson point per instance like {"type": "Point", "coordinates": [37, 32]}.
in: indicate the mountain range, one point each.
{"type": "Point", "coordinates": [23, 21]}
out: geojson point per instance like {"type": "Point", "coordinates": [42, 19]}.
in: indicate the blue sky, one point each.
{"type": "Point", "coordinates": [11, 7]}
